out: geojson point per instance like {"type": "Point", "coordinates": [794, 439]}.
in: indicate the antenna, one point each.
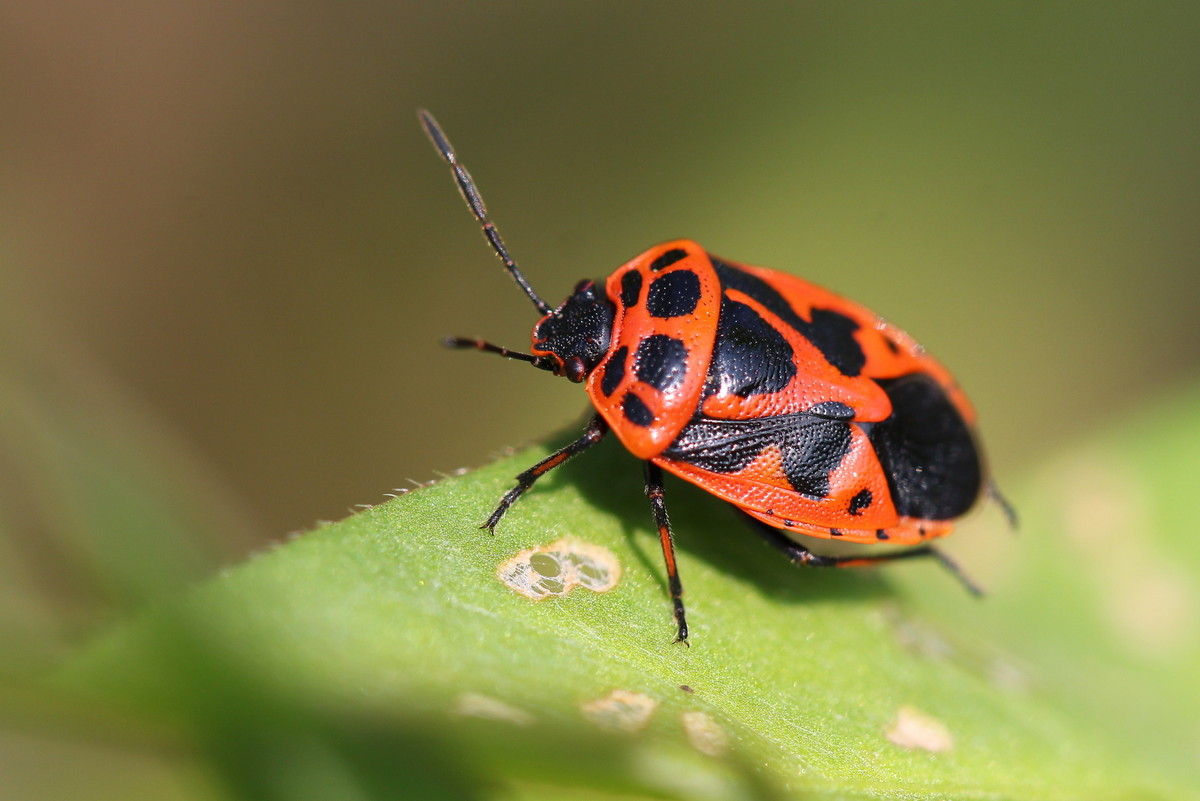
{"type": "Point", "coordinates": [470, 194]}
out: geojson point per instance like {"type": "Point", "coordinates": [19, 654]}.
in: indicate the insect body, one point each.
{"type": "Point", "coordinates": [808, 412]}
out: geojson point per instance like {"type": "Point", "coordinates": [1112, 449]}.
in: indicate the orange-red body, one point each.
{"type": "Point", "coordinates": [762, 488]}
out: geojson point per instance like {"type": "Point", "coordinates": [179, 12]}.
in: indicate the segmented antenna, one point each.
{"type": "Point", "coordinates": [470, 194]}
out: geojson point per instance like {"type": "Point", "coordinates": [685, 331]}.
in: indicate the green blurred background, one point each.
{"type": "Point", "coordinates": [227, 253]}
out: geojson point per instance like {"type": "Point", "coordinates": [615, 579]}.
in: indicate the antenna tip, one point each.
{"type": "Point", "coordinates": [434, 132]}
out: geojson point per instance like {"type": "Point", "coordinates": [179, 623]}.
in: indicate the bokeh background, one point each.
{"type": "Point", "coordinates": [227, 253]}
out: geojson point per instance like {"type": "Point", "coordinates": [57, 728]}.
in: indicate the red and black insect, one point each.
{"type": "Point", "coordinates": [806, 411]}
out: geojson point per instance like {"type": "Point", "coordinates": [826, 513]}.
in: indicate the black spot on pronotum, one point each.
{"type": "Point", "coordinates": [636, 411]}
{"type": "Point", "coordinates": [860, 502]}
{"type": "Point", "coordinates": [661, 361]}
{"type": "Point", "coordinates": [631, 288]}
{"type": "Point", "coordinates": [880, 534]}
{"type": "Point", "coordinates": [667, 259]}
{"type": "Point", "coordinates": [673, 295]}
{"type": "Point", "coordinates": [614, 371]}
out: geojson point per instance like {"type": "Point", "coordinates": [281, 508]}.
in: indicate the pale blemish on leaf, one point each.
{"type": "Point", "coordinates": [477, 705]}
{"type": "Point", "coordinates": [620, 710]}
{"type": "Point", "coordinates": [1147, 598]}
{"type": "Point", "coordinates": [915, 730]}
{"type": "Point", "coordinates": [558, 568]}
{"type": "Point", "coordinates": [704, 733]}
{"type": "Point", "coordinates": [916, 636]}
{"type": "Point", "coordinates": [1009, 676]}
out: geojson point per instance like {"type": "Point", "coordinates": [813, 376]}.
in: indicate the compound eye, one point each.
{"type": "Point", "coordinates": [575, 369]}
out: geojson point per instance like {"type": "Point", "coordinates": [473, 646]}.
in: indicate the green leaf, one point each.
{"type": "Point", "coordinates": [383, 657]}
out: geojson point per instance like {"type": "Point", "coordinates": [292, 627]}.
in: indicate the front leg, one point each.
{"type": "Point", "coordinates": [595, 432]}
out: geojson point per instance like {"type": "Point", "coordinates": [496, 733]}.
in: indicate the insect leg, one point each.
{"type": "Point", "coordinates": [595, 432]}
{"type": "Point", "coordinates": [800, 555]}
{"type": "Point", "coordinates": [654, 491]}
{"type": "Point", "coordinates": [1010, 511]}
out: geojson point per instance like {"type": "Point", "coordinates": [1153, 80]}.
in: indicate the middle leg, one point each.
{"type": "Point", "coordinates": [654, 491]}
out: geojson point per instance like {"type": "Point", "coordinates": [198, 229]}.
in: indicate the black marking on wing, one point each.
{"type": "Point", "coordinates": [812, 446]}
{"type": "Point", "coordinates": [860, 502]}
{"type": "Point", "coordinates": [927, 450]}
{"type": "Point", "coordinates": [749, 356]}
{"type": "Point", "coordinates": [830, 331]}
{"type": "Point", "coordinates": [834, 410]}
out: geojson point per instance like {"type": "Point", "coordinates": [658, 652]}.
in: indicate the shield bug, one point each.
{"type": "Point", "coordinates": [805, 410]}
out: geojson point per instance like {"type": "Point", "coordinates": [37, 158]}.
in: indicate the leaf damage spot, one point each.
{"type": "Point", "coordinates": [556, 569]}
{"type": "Point", "coordinates": [704, 733]}
{"type": "Point", "coordinates": [1148, 601]}
{"type": "Point", "coordinates": [915, 730]}
{"type": "Point", "coordinates": [1008, 676]}
{"type": "Point", "coordinates": [477, 705]}
{"type": "Point", "coordinates": [916, 636]}
{"type": "Point", "coordinates": [620, 710]}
